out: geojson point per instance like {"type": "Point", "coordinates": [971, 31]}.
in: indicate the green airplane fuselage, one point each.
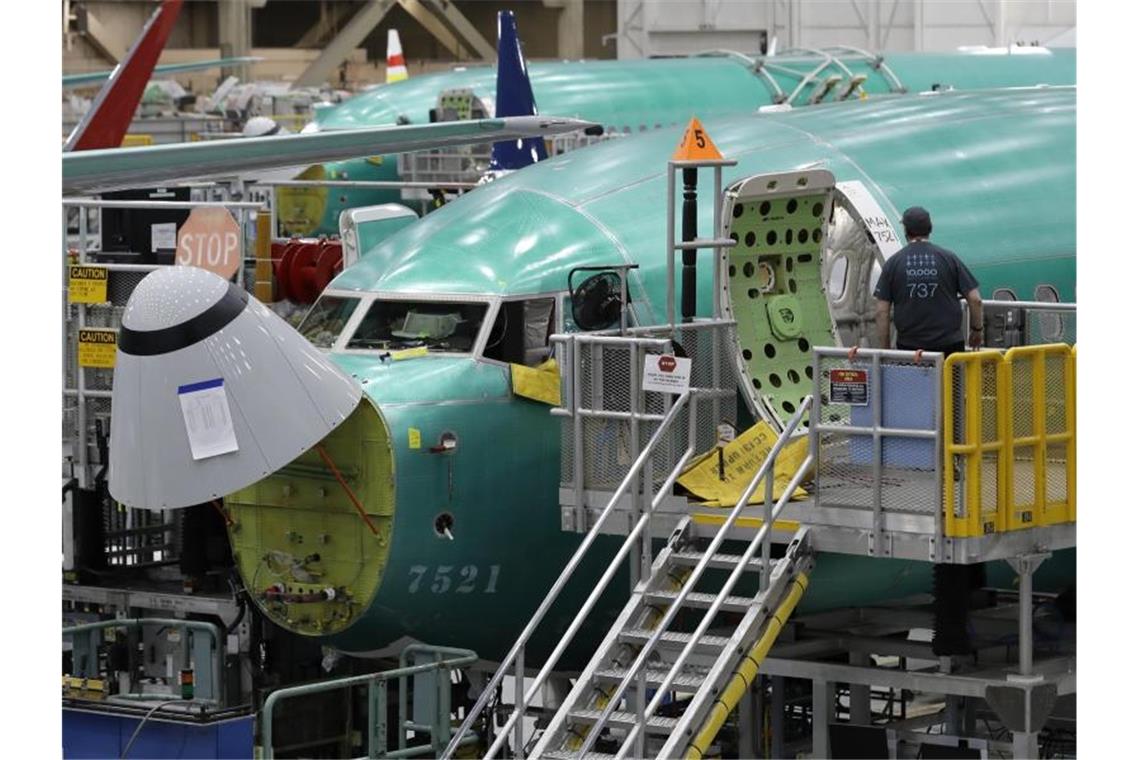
{"type": "Point", "coordinates": [996, 169]}
{"type": "Point", "coordinates": [636, 96]}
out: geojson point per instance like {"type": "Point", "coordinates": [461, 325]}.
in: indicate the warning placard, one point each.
{"type": "Point", "coordinates": [206, 412]}
{"type": "Point", "coordinates": [848, 386]}
{"type": "Point", "coordinates": [666, 374]}
{"type": "Point", "coordinates": [97, 348]}
{"type": "Point", "coordinates": [86, 284]}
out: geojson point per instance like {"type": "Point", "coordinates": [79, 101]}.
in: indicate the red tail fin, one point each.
{"type": "Point", "coordinates": [110, 115]}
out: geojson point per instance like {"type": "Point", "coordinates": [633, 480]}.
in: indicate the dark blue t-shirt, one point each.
{"type": "Point", "coordinates": [924, 282]}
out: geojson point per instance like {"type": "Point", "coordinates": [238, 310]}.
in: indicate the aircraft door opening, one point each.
{"type": "Point", "coordinates": [859, 239]}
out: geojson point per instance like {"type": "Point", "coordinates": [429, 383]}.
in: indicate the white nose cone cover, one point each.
{"type": "Point", "coordinates": [192, 344]}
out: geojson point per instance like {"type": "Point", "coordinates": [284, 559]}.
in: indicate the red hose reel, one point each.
{"type": "Point", "coordinates": [303, 267]}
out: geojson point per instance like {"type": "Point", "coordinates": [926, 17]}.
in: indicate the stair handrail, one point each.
{"type": "Point", "coordinates": [611, 570]}
{"type": "Point", "coordinates": [762, 535]}
{"type": "Point", "coordinates": [694, 576]}
{"type": "Point", "coordinates": [571, 566]}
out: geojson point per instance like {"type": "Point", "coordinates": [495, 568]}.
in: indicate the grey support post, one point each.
{"type": "Point", "coordinates": [749, 721]}
{"type": "Point", "coordinates": [860, 694]}
{"type": "Point", "coordinates": [822, 711]}
{"type": "Point", "coordinates": [1025, 566]}
{"type": "Point", "coordinates": [1025, 741]}
{"type": "Point", "coordinates": [776, 720]}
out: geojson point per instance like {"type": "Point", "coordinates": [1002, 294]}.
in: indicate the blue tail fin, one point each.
{"type": "Point", "coordinates": [514, 97]}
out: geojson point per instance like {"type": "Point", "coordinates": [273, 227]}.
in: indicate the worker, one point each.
{"type": "Point", "coordinates": [923, 283]}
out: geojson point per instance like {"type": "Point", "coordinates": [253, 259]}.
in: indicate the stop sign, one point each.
{"type": "Point", "coordinates": [210, 239]}
{"type": "Point", "coordinates": [667, 363]}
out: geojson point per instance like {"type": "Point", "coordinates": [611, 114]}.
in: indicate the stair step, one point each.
{"type": "Point", "coordinates": [655, 677]}
{"type": "Point", "coordinates": [702, 601]}
{"type": "Point", "coordinates": [563, 754]}
{"type": "Point", "coordinates": [677, 639]}
{"type": "Point", "coordinates": [657, 724]}
{"type": "Point", "coordinates": [689, 558]}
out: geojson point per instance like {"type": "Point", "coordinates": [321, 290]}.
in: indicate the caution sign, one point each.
{"type": "Point", "coordinates": [86, 284]}
{"type": "Point", "coordinates": [696, 145]}
{"type": "Point", "coordinates": [97, 348]}
{"type": "Point", "coordinates": [848, 386]}
{"type": "Point", "coordinates": [666, 374]}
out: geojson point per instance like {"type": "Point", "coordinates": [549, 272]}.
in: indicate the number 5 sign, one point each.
{"type": "Point", "coordinates": [210, 239]}
{"type": "Point", "coordinates": [696, 145]}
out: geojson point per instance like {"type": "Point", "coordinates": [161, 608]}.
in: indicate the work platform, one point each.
{"type": "Point", "coordinates": [982, 487]}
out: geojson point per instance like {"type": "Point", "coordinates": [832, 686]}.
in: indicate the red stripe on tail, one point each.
{"type": "Point", "coordinates": [110, 116]}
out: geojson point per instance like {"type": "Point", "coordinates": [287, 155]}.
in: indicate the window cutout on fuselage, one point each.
{"type": "Point", "coordinates": [1051, 325]}
{"type": "Point", "coordinates": [521, 332]}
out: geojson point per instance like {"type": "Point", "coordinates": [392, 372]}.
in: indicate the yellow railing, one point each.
{"type": "Point", "coordinates": [1010, 426]}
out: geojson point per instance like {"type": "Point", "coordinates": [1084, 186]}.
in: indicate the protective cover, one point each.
{"type": "Point", "coordinates": [200, 359]}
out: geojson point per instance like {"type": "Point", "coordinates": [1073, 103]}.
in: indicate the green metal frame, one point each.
{"type": "Point", "coordinates": [377, 737]}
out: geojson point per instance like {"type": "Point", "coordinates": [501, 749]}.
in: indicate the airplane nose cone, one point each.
{"type": "Point", "coordinates": [212, 392]}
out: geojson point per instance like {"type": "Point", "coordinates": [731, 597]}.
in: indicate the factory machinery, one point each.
{"type": "Point", "coordinates": [891, 459]}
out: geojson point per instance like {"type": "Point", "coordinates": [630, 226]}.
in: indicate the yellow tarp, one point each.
{"type": "Point", "coordinates": [742, 458]}
{"type": "Point", "coordinates": [539, 383]}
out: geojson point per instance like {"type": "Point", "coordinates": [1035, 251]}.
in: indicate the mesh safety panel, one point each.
{"type": "Point", "coordinates": [609, 378]}
{"type": "Point", "coordinates": [902, 396]}
{"type": "Point", "coordinates": [1023, 426]}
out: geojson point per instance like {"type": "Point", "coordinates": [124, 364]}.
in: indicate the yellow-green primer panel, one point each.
{"type": "Point", "coordinates": [297, 530]}
{"type": "Point", "coordinates": [777, 295]}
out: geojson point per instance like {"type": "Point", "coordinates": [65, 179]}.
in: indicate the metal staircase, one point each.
{"type": "Point", "coordinates": [643, 651]}
{"type": "Point", "coordinates": [654, 644]}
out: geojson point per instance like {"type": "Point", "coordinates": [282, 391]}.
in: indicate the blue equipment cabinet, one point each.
{"type": "Point", "coordinates": [99, 731]}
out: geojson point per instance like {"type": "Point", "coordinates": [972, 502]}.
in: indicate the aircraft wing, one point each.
{"type": "Point", "coordinates": [115, 168]}
{"type": "Point", "coordinates": [93, 77]}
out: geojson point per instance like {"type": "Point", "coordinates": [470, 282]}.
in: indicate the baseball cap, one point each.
{"type": "Point", "coordinates": [916, 221]}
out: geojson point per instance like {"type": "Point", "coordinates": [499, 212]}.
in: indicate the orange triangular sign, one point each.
{"type": "Point", "coordinates": [696, 145]}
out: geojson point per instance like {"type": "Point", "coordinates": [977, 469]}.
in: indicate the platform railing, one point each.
{"type": "Point", "coordinates": [1016, 436]}
{"type": "Point", "coordinates": [1010, 323]}
{"type": "Point", "coordinates": [515, 658]}
{"type": "Point", "coordinates": [762, 538]}
{"type": "Point", "coordinates": [857, 441]}
{"type": "Point", "coordinates": [445, 659]}
{"type": "Point", "coordinates": [607, 412]}
{"type": "Point", "coordinates": [992, 432]}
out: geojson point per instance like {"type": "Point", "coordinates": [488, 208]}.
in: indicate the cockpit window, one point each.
{"type": "Point", "coordinates": [325, 321]}
{"type": "Point", "coordinates": [443, 327]}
